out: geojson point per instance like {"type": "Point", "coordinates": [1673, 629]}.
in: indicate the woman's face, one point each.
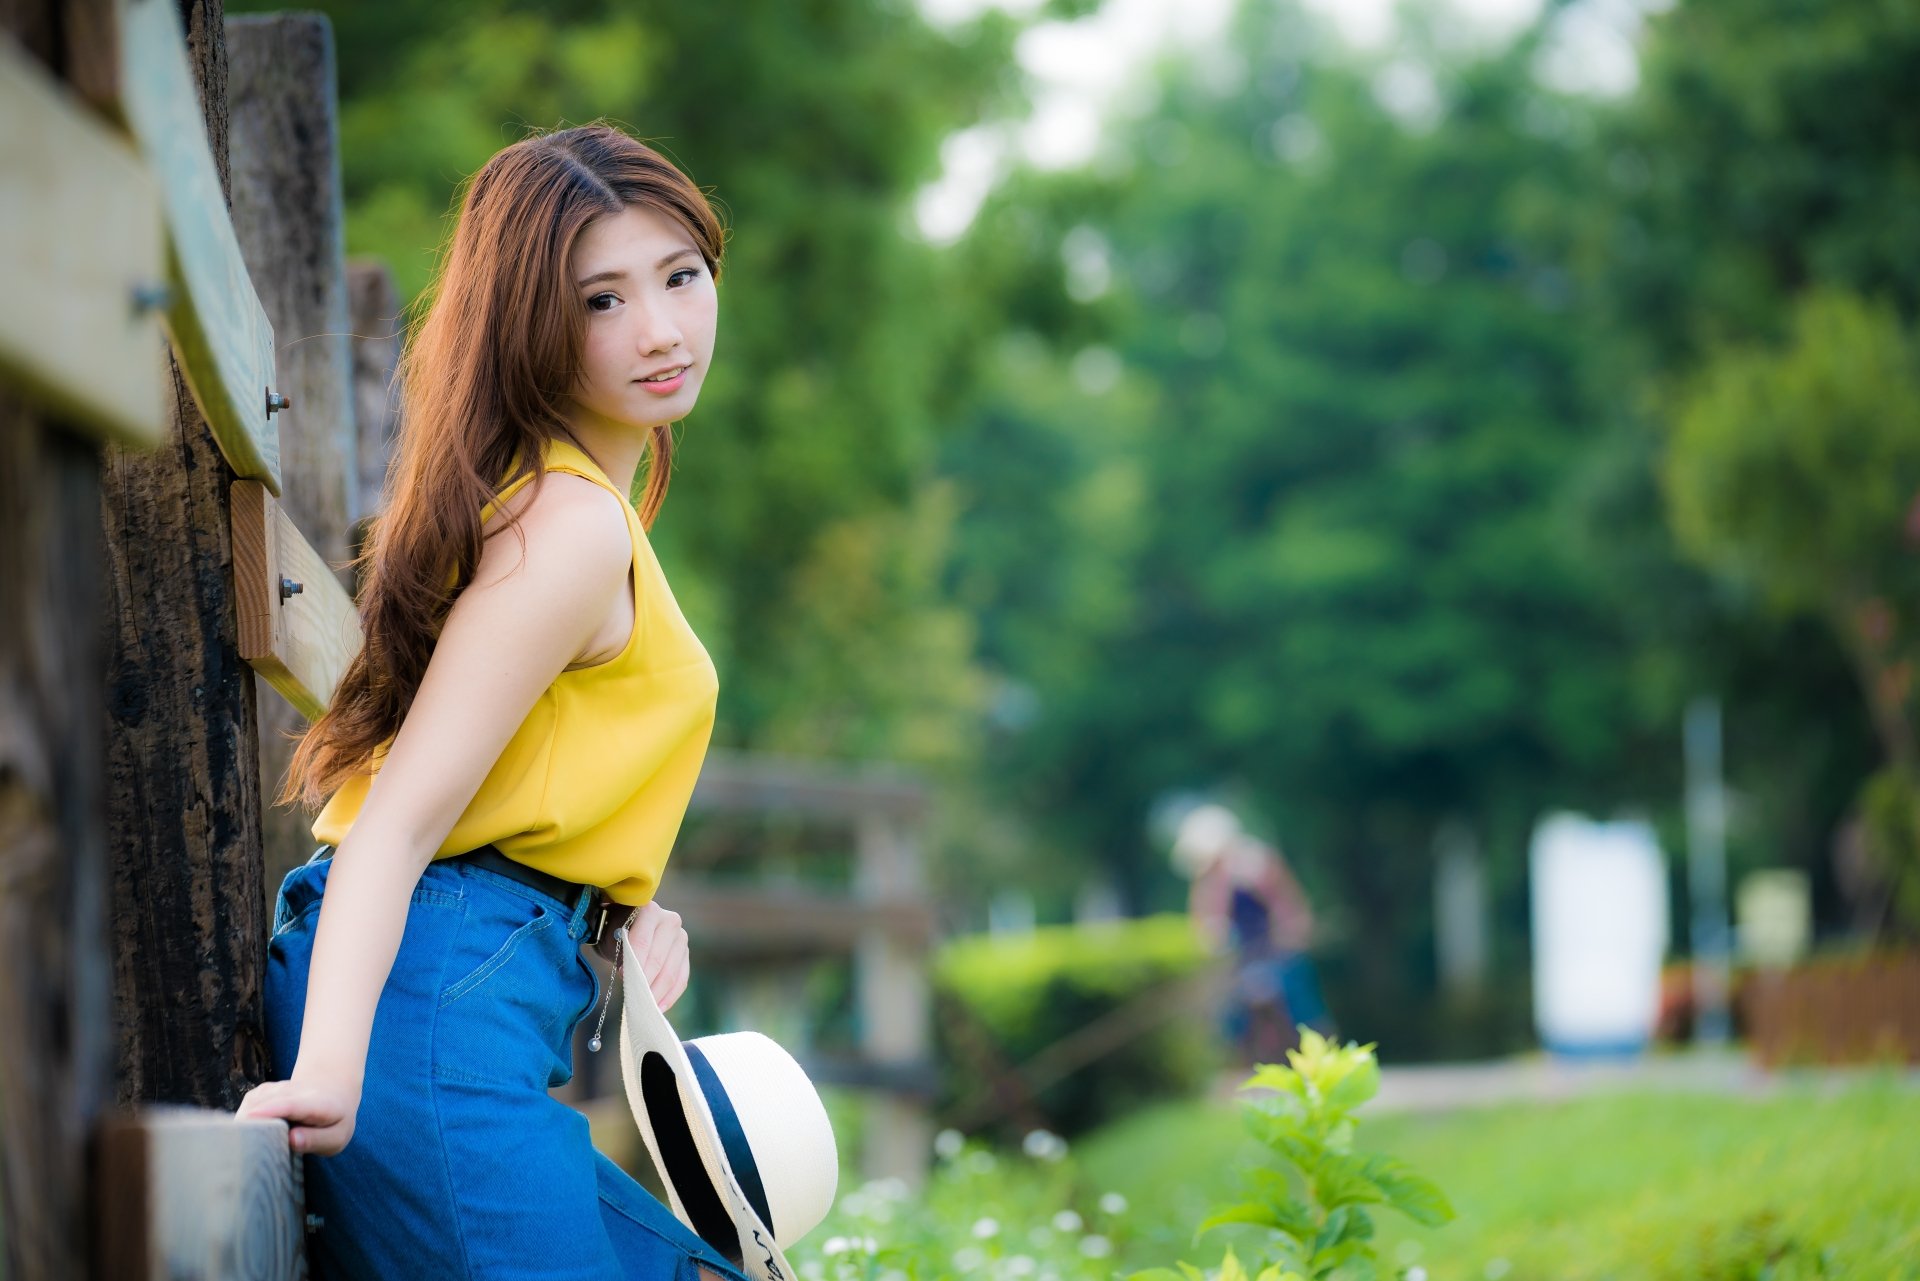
{"type": "Point", "coordinates": [651, 312]}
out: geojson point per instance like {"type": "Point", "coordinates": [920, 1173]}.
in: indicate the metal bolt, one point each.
{"type": "Point", "coordinates": [151, 296]}
{"type": "Point", "coordinates": [290, 588]}
{"type": "Point", "coordinates": [276, 401]}
{"type": "Point", "coordinates": [315, 1222]}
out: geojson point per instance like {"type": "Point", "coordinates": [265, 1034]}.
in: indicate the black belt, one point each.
{"type": "Point", "coordinates": [490, 857]}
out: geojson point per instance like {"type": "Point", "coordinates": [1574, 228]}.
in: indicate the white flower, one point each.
{"type": "Point", "coordinates": [980, 1161]}
{"type": "Point", "coordinates": [1416, 1273]}
{"type": "Point", "coordinates": [836, 1245]}
{"type": "Point", "coordinates": [1040, 1234]}
{"type": "Point", "coordinates": [947, 1144]}
{"type": "Point", "coordinates": [1113, 1203]}
{"type": "Point", "coordinates": [967, 1258]}
{"type": "Point", "coordinates": [893, 1189]}
{"type": "Point", "coordinates": [1044, 1145]}
{"type": "Point", "coordinates": [986, 1228]}
{"type": "Point", "coordinates": [1095, 1246]}
{"type": "Point", "coordinates": [1066, 1221]}
{"type": "Point", "coordinates": [1020, 1265]}
{"type": "Point", "coordinates": [812, 1270]}
{"type": "Point", "coordinates": [1497, 1268]}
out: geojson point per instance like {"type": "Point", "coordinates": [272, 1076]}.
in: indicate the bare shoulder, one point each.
{"type": "Point", "coordinates": [563, 519]}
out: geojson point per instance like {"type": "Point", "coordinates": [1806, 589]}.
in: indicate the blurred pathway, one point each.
{"type": "Point", "coordinates": [1539, 1078]}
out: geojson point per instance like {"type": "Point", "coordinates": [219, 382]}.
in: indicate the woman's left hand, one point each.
{"type": "Point", "coordinates": [656, 950]}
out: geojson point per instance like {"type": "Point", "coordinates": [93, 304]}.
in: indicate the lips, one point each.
{"type": "Point", "coordinates": [666, 382]}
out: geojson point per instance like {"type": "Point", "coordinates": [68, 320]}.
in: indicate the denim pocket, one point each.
{"type": "Point", "coordinates": [541, 919]}
{"type": "Point", "coordinates": [300, 896]}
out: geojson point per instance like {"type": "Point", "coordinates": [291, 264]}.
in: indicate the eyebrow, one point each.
{"type": "Point", "coordinates": [599, 276]}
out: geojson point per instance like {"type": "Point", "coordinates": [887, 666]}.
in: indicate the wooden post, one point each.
{"type": "Point", "coordinates": [56, 1020]}
{"type": "Point", "coordinates": [285, 161]}
{"type": "Point", "coordinates": [891, 986]}
{"type": "Point", "coordinates": [378, 328]}
{"type": "Point", "coordinates": [183, 757]}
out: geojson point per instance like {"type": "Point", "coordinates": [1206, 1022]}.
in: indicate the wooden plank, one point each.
{"type": "Point", "coordinates": [301, 639]}
{"type": "Point", "coordinates": [82, 258]}
{"type": "Point", "coordinates": [192, 1192]}
{"type": "Point", "coordinates": [738, 920]}
{"type": "Point", "coordinates": [767, 785]}
{"type": "Point", "coordinates": [219, 331]}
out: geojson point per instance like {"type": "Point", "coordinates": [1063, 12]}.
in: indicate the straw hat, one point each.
{"type": "Point", "coordinates": [1205, 833]}
{"type": "Point", "coordinates": [736, 1130]}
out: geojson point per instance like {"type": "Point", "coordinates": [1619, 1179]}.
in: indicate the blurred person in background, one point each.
{"type": "Point", "coordinates": [1247, 904]}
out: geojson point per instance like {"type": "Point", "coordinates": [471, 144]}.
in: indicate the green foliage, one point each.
{"type": "Point", "coordinates": [1799, 467]}
{"type": "Point", "coordinates": [1315, 1205]}
{"type": "Point", "coordinates": [1336, 390]}
{"type": "Point", "coordinates": [1810, 1182]}
{"type": "Point", "coordinates": [1890, 821]}
{"type": "Point", "coordinates": [1029, 992]}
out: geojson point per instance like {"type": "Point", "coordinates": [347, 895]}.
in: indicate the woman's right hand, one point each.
{"type": "Point", "coordinates": [319, 1112]}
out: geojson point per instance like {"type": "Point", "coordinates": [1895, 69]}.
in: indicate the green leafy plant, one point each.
{"type": "Point", "coordinates": [1317, 1204]}
{"type": "Point", "coordinates": [1028, 994]}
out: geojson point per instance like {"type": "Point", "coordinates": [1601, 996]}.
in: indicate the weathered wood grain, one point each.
{"type": "Point", "coordinates": [220, 334]}
{"type": "Point", "coordinates": [82, 258]}
{"type": "Point", "coordinates": [188, 1192]}
{"type": "Point", "coordinates": [183, 770]}
{"type": "Point", "coordinates": [301, 641]}
{"type": "Point", "coordinates": [56, 1027]}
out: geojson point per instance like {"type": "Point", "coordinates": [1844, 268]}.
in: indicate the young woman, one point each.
{"type": "Point", "coordinates": [508, 758]}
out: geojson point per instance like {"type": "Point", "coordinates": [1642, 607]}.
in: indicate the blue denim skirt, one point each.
{"type": "Point", "coordinates": [462, 1166]}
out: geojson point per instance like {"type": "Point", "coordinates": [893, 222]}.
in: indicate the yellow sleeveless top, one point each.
{"type": "Point", "coordinates": [593, 785]}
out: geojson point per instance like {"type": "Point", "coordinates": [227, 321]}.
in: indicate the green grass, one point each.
{"type": "Point", "coordinates": [1662, 1187]}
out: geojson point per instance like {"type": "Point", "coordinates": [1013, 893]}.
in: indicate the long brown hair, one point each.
{"type": "Point", "coordinates": [488, 370]}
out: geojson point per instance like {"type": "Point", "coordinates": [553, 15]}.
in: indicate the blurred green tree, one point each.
{"type": "Point", "coordinates": [1798, 468]}
{"type": "Point", "coordinates": [1767, 152]}
{"type": "Point", "coordinates": [1337, 384]}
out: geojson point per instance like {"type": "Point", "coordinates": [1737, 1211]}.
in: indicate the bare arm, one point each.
{"type": "Point", "coordinates": [527, 615]}
{"type": "Point", "coordinates": [1207, 904]}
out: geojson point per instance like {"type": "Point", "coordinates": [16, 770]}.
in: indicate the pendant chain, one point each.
{"type": "Point", "coordinates": [619, 951]}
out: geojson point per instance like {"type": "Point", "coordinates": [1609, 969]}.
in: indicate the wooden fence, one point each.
{"type": "Point", "coordinates": [146, 485]}
{"type": "Point", "coordinates": [170, 198]}
{"type": "Point", "coordinates": [1859, 1010]}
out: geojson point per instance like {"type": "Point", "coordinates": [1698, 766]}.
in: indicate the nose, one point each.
{"type": "Point", "coordinates": [656, 332]}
